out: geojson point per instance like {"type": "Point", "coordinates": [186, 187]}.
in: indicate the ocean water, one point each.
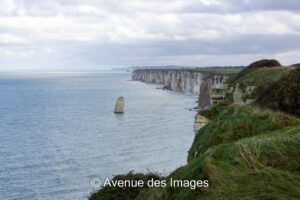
{"type": "Point", "coordinates": [58, 131]}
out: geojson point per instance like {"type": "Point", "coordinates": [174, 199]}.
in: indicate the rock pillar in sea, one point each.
{"type": "Point", "coordinates": [119, 108]}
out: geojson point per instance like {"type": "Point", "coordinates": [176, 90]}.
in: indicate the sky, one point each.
{"type": "Point", "coordinates": [101, 34]}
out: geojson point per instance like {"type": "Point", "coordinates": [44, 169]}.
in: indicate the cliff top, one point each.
{"type": "Point", "coordinates": [248, 151]}
{"type": "Point", "coordinates": [214, 70]}
{"type": "Point", "coordinates": [260, 72]}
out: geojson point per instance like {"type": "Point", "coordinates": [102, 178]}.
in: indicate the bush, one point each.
{"type": "Point", "coordinates": [253, 66]}
{"type": "Point", "coordinates": [264, 63]}
{"type": "Point", "coordinates": [283, 94]}
{"type": "Point", "coordinates": [124, 193]}
{"type": "Point", "coordinates": [215, 110]}
{"type": "Point", "coordinates": [296, 65]}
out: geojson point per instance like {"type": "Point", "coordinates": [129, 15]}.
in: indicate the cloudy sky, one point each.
{"type": "Point", "coordinates": [97, 34]}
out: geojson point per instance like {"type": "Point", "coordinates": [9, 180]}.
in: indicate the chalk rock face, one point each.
{"type": "Point", "coordinates": [217, 96]}
{"type": "Point", "coordinates": [238, 95]}
{"type": "Point", "coordinates": [200, 121]}
{"type": "Point", "coordinates": [119, 108]}
{"type": "Point", "coordinates": [187, 81]}
{"type": "Point", "coordinates": [197, 83]}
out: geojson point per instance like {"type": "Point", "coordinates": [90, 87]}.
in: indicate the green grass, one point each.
{"type": "Point", "coordinates": [245, 152]}
{"type": "Point", "coordinates": [124, 193]}
{"type": "Point", "coordinates": [192, 171]}
{"type": "Point", "coordinates": [218, 70]}
{"type": "Point", "coordinates": [221, 70]}
{"type": "Point", "coordinates": [283, 94]}
{"type": "Point", "coordinates": [213, 112]}
{"type": "Point", "coordinates": [256, 77]}
{"type": "Point", "coordinates": [296, 65]}
{"type": "Point", "coordinates": [262, 164]}
{"type": "Point", "coordinates": [262, 167]}
{"type": "Point", "coordinates": [254, 66]}
{"type": "Point", "coordinates": [235, 123]}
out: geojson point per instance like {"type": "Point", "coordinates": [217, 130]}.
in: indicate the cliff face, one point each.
{"type": "Point", "coordinates": [190, 82]}
{"type": "Point", "coordinates": [227, 151]}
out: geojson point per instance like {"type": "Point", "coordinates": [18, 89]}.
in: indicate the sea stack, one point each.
{"type": "Point", "coordinates": [119, 108]}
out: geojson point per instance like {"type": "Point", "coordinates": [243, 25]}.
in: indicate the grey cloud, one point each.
{"type": "Point", "coordinates": [102, 32]}
{"type": "Point", "coordinates": [290, 5]}
{"type": "Point", "coordinates": [118, 54]}
{"type": "Point", "coordinates": [49, 7]}
{"type": "Point", "coordinates": [238, 6]}
{"type": "Point", "coordinates": [249, 44]}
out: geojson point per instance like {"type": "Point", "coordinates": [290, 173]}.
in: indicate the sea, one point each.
{"type": "Point", "coordinates": [58, 131]}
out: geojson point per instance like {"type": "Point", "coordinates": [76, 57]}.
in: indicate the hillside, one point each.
{"type": "Point", "coordinates": [246, 162]}
{"type": "Point", "coordinates": [250, 149]}
{"type": "Point", "coordinates": [282, 94]}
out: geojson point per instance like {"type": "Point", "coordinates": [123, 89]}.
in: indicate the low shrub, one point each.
{"type": "Point", "coordinates": [254, 66]}
{"type": "Point", "coordinates": [124, 193]}
{"type": "Point", "coordinates": [283, 94]}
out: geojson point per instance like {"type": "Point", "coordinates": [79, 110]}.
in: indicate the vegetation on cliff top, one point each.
{"type": "Point", "coordinates": [277, 86]}
{"type": "Point", "coordinates": [214, 111]}
{"type": "Point", "coordinates": [296, 65]}
{"type": "Point", "coordinates": [214, 70]}
{"type": "Point", "coordinates": [264, 63]}
{"type": "Point", "coordinates": [245, 152]}
{"type": "Point", "coordinates": [256, 65]}
{"type": "Point", "coordinates": [221, 70]}
{"type": "Point", "coordinates": [283, 94]}
{"type": "Point", "coordinates": [259, 73]}
{"type": "Point", "coordinates": [124, 193]}
{"type": "Point", "coordinates": [261, 76]}
{"type": "Point", "coordinates": [258, 163]}
{"type": "Point", "coordinates": [237, 122]}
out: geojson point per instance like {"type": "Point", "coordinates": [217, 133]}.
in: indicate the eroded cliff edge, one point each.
{"type": "Point", "coordinates": [196, 83]}
{"type": "Point", "coordinates": [248, 148]}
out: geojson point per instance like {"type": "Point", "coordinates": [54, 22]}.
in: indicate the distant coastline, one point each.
{"type": "Point", "coordinates": [238, 145]}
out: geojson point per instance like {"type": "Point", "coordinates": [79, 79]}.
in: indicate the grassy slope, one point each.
{"type": "Point", "coordinates": [237, 122]}
{"type": "Point", "coordinates": [244, 152]}
{"type": "Point", "coordinates": [222, 70]}
{"type": "Point", "coordinates": [261, 64]}
{"type": "Point", "coordinates": [215, 70]}
{"type": "Point", "coordinates": [283, 94]}
{"type": "Point", "coordinates": [260, 76]}
{"type": "Point", "coordinates": [296, 65]}
{"type": "Point", "coordinates": [261, 162]}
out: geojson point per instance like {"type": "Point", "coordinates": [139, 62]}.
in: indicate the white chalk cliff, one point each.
{"type": "Point", "coordinates": [191, 82]}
